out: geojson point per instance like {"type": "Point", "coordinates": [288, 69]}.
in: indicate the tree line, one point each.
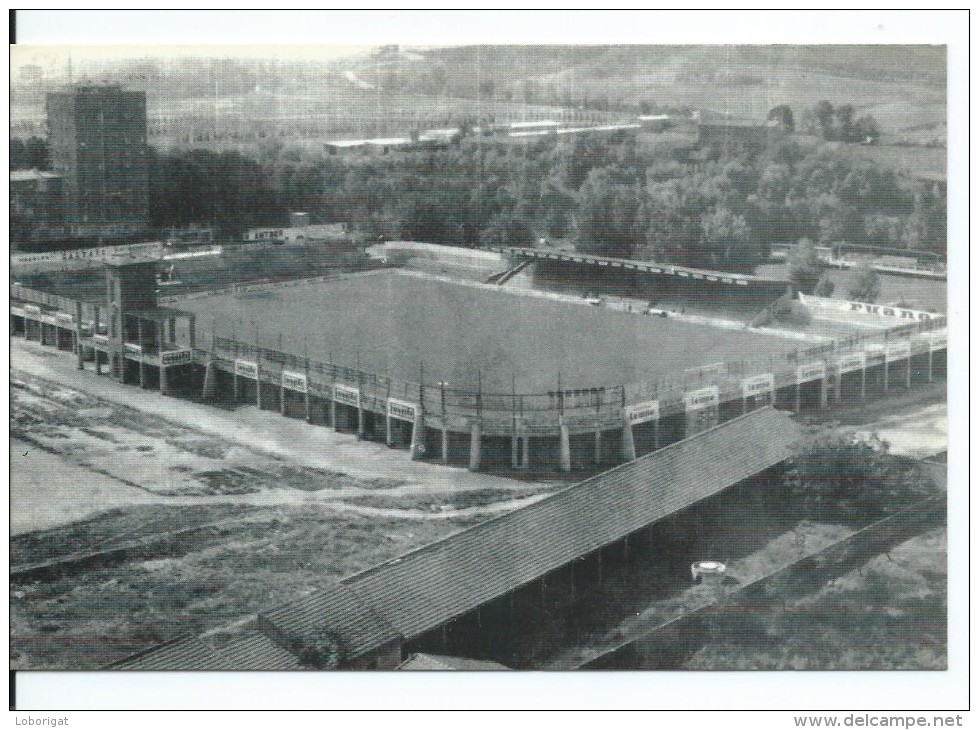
{"type": "Point", "coordinates": [618, 195]}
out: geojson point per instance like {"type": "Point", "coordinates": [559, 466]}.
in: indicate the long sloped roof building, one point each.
{"type": "Point", "coordinates": [382, 615]}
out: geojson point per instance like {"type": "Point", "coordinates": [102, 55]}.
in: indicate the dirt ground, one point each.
{"type": "Point", "coordinates": [913, 422]}
{"type": "Point", "coordinates": [285, 508]}
{"type": "Point", "coordinates": [289, 508]}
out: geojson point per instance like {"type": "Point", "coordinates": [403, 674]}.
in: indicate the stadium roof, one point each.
{"type": "Point", "coordinates": [251, 651]}
{"type": "Point", "coordinates": [337, 609]}
{"type": "Point", "coordinates": [427, 587]}
{"type": "Point", "coordinates": [434, 663]}
{"type": "Point", "coordinates": [186, 653]}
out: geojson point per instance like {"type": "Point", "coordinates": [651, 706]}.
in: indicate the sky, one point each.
{"type": "Point", "coordinates": [54, 59]}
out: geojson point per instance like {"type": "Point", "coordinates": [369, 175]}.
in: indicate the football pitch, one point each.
{"type": "Point", "coordinates": [397, 324]}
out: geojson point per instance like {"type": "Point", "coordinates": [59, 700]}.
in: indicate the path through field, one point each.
{"type": "Point", "coordinates": [92, 444]}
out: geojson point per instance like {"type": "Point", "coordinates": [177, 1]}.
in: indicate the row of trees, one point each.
{"type": "Point", "coordinates": [611, 196]}
{"type": "Point", "coordinates": [809, 275]}
{"type": "Point", "coordinates": [841, 123]}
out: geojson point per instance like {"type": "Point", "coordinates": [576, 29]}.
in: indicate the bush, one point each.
{"type": "Point", "coordinates": [825, 287]}
{"type": "Point", "coordinates": [844, 477]}
{"type": "Point", "coordinates": [864, 285]}
{"type": "Point", "coordinates": [805, 268]}
{"type": "Point", "coordinates": [791, 311]}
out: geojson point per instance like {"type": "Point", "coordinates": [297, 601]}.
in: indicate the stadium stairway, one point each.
{"type": "Point", "coordinates": [503, 277]}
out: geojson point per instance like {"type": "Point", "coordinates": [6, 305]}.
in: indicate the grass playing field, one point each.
{"type": "Point", "coordinates": [391, 323]}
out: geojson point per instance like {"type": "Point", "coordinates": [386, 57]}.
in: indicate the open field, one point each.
{"type": "Point", "coordinates": [263, 547]}
{"type": "Point", "coordinates": [254, 558]}
{"type": "Point", "coordinates": [281, 511]}
{"type": "Point", "coordinates": [889, 614]}
{"type": "Point", "coordinates": [393, 323]}
{"type": "Point", "coordinates": [925, 162]}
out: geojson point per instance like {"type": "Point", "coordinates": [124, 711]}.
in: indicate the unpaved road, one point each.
{"type": "Point", "coordinates": [85, 443]}
{"type": "Point", "coordinates": [919, 433]}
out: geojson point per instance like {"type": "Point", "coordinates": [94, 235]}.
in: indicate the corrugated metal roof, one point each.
{"type": "Point", "coordinates": [255, 652]}
{"type": "Point", "coordinates": [338, 609]}
{"type": "Point", "coordinates": [431, 585]}
{"type": "Point", "coordinates": [425, 588]}
{"type": "Point", "coordinates": [185, 654]}
{"type": "Point", "coordinates": [251, 651]}
{"type": "Point", "coordinates": [434, 663]}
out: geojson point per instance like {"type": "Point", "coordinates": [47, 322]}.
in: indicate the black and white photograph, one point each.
{"type": "Point", "coordinates": [480, 357]}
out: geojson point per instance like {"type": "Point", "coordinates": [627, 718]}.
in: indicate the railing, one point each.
{"type": "Point", "coordinates": [595, 405]}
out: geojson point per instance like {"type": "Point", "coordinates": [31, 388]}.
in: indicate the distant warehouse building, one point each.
{"type": "Point", "coordinates": [655, 122]}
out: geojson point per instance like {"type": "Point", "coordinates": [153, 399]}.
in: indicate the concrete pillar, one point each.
{"type": "Point", "coordinates": [823, 392]}
{"type": "Point", "coordinates": [656, 434]}
{"type": "Point", "coordinates": [907, 380]}
{"type": "Point", "coordinates": [475, 446]}
{"type": "Point", "coordinates": [565, 448]}
{"type": "Point", "coordinates": [387, 429]}
{"type": "Point", "coordinates": [333, 412]}
{"type": "Point", "coordinates": [798, 397]}
{"type": "Point", "coordinates": [931, 378]}
{"type": "Point", "coordinates": [258, 387]}
{"type": "Point", "coordinates": [572, 581]}
{"type": "Point", "coordinates": [98, 361]}
{"type": "Point", "coordinates": [236, 388]}
{"type": "Point", "coordinates": [209, 389]}
{"type": "Point", "coordinates": [887, 373]}
{"type": "Point", "coordinates": [445, 445]}
{"type": "Point", "coordinates": [142, 373]}
{"type": "Point", "coordinates": [598, 446]}
{"type": "Point", "coordinates": [192, 327]}
{"type": "Point", "coordinates": [838, 394]}
{"type": "Point", "coordinates": [514, 450]}
{"type": "Point", "coordinates": [172, 329]}
{"type": "Point", "coordinates": [418, 436]}
{"type": "Point", "coordinates": [863, 383]}
{"type": "Point", "coordinates": [282, 400]}
{"type": "Point", "coordinates": [164, 381]}
{"type": "Point", "coordinates": [744, 404]}
{"type": "Point", "coordinates": [309, 410]}
{"type": "Point", "coordinates": [628, 443]}
{"type": "Point", "coordinates": [525, 455]}
{"type": "Point", "coordinates": [79, 350]}
{"type": "Point", "coordinates": [361, 425]}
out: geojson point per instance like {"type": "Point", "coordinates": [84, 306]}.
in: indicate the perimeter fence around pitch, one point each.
{"type": "Point", "coordinates": [595, 406]}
